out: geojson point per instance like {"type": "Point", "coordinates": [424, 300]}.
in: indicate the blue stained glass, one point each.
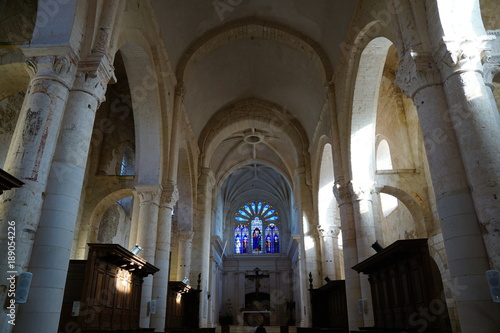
{"type": "Point", "coordinates": [263, 235]}
{"type": "Point", "coordinates": [242, 212]}
{"type": "Point", "coordinates": [271, 212]}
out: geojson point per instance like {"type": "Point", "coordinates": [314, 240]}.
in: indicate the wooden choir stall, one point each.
{"type": "Point", "coordinates": [406, 289]}
{"type": "Point", "coordinates": [328, 308]}
{"type": "Point", "coordinates": [183, 305]}
{"type": "Point", "coordinates": [103, 293]}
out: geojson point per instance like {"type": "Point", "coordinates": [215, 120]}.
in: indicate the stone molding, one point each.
{"type": "Point", "coordinates": [184, 236]}
{"type": "Point", "coordinates": [180, 90]}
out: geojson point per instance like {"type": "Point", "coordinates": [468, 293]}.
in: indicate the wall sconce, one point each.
{"type": "Point", "coordinates": [136, 249]}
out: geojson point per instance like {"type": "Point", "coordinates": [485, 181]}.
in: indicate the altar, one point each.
{"type": "Point", "coordinates": [255, 318]}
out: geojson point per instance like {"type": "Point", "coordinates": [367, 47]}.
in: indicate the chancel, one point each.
{"type": "Point", "coordinates": [333, 166]}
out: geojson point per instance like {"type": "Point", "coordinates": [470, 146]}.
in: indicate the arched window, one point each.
{"type": "Point", "coordinates": [256, 229]}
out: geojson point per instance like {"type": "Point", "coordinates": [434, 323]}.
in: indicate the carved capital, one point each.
{"type": "Point", "coordinates": [462, 55]}
{"type": "Point", "coordinates": [93, 75]}
{"type": "Point", "coordinates": [149, 195]}
{"type": "Point", "coordinates": [170, 195]}
{"type": "Point", "coordinates": [59, 67]}
{"type": "Point", "coordinates": [417, 70]}
{"type": "Point", "coordinates": [362, 191]}
{"type": "Point", "coordinates": [328, 231]}
{"type": "Point", "coordinates": [342, 193]}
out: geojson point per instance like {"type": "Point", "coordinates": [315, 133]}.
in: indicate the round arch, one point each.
{"type": "Point", "coordinates": [421, 221]}
{"type": "Point", "coordinates": [364, 109]}
{"type": "Point", "coordinates": [253, 28]}
{"type": "Point", "coordinates": [145, 94]}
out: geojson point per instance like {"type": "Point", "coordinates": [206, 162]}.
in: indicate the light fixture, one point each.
{"type": "Point", "coordinates": [136, 249]}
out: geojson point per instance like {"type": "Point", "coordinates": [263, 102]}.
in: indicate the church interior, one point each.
{"type": "Point", "coordinates": [209, 166]}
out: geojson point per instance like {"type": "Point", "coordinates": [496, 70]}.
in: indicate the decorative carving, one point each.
{"type": "Point", "coordinates": [149, 195]}
{"type": "Point", "coordinates": [342, 193]}
{"type": "Point", "coordinates": [31, 66]}
{"type": "Point", "coordinates": [328, 230]}
{"type": "Point", "coordinates": [455, 56]}
{"type": "Point", "coordinates": [170, 195]}
{"type": "Point", "coordinates": [417, 70]}
{"type": "Point", "coordinates": [362, 191]}
{"type": "Point", "coordinates": [61, 65]}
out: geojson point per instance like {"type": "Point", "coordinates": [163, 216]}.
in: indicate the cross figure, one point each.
{"type": "Point", "coordinates": [256, 277]}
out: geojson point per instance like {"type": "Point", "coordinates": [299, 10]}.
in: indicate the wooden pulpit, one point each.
{"type": "Point", "coordinates": [103, 293]}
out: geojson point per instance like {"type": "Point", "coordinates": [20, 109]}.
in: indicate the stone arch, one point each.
{"type": "Point", "coordinates": [100, 209]}
{"type": "Point", "coordinates": [185, 205]}
{"type": "Point", "coordinates": [420, 220]}
{"type": "Point", "coordinates": [254, 113]}
{"type": "Point", "coordinates": [383, 154]}
{"type": "Point", "coordinates": [327, 204]}
{"type": "Point", "coordinates": [364, 109]}
{"type": "Point", "coordinates": [145, 94]}
{"type": "Point", "coordinates": [253, 28]}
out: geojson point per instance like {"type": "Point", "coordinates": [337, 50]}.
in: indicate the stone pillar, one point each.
{"type": "Point", "coordinates": [185, 240]}
{"type": "Point", "coordinates": [134, 220]}
{"type": "Point", "coordinates": [201, 247]}
{"type": "Point", "coordinates": [169, 197]}
{"type": "Point", "coordinates": [240, 290]}
{"type": "Point", "coordinates": [419, 79]}
{"type": "Point", "coordinates": [476, 121]}
{"type": "Point", "coordinates": [343, 195]}
{"type": "Point", "coordinates": [303, 281]}
{"type": "Point", "coordinates": [54, 237]}
{"type": "Point", "coordinates": [30, 154]}
{"type": "Point", "coordinates": [362, 196]}
{"type": "Point", "coordinates": [327, 251]}
{"type": "Point", "coordinates": [146, 238]}
{"type": "Point", "coordinates": [308, 227]}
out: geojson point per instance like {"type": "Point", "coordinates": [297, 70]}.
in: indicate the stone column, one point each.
{"type": "Point", "coordinates": [54, 237]}
{"type": "Point", "coordinates": [303, 284]}
{"type": "Point", "coordinates": [134, 220]}
{"type": "Point", "coordinates": [201, 247]}
{"type": "Point", "coordinates": [240, 290]}
{"type": "Point", "coordinates": [185, 240]}
{"type": "Point", "coordinates": [343, 195]}
{"type": "Point", "coordinates": [476, 122]}
{"type": "Point", "coordinates": [146, 238]}
{"type": "Point", "coordinates": [31, 151]}
{"type": "Point", "coordinates": [169, 197]}
{"type": "Point", "coordinates": [327, 252]}
{"type": "Point", "coordinates": [362, 195]}
{"type": "Point", "coordinates": [419, 79]}
{"type": "Point", "coordinates": [308, 226]}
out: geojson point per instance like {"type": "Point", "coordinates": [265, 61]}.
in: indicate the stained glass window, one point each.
{"type": "Point", "coordinates": [256, 229]}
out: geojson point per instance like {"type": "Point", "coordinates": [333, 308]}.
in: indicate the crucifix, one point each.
{"type": "Point", "coordinates": [256, 277]}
